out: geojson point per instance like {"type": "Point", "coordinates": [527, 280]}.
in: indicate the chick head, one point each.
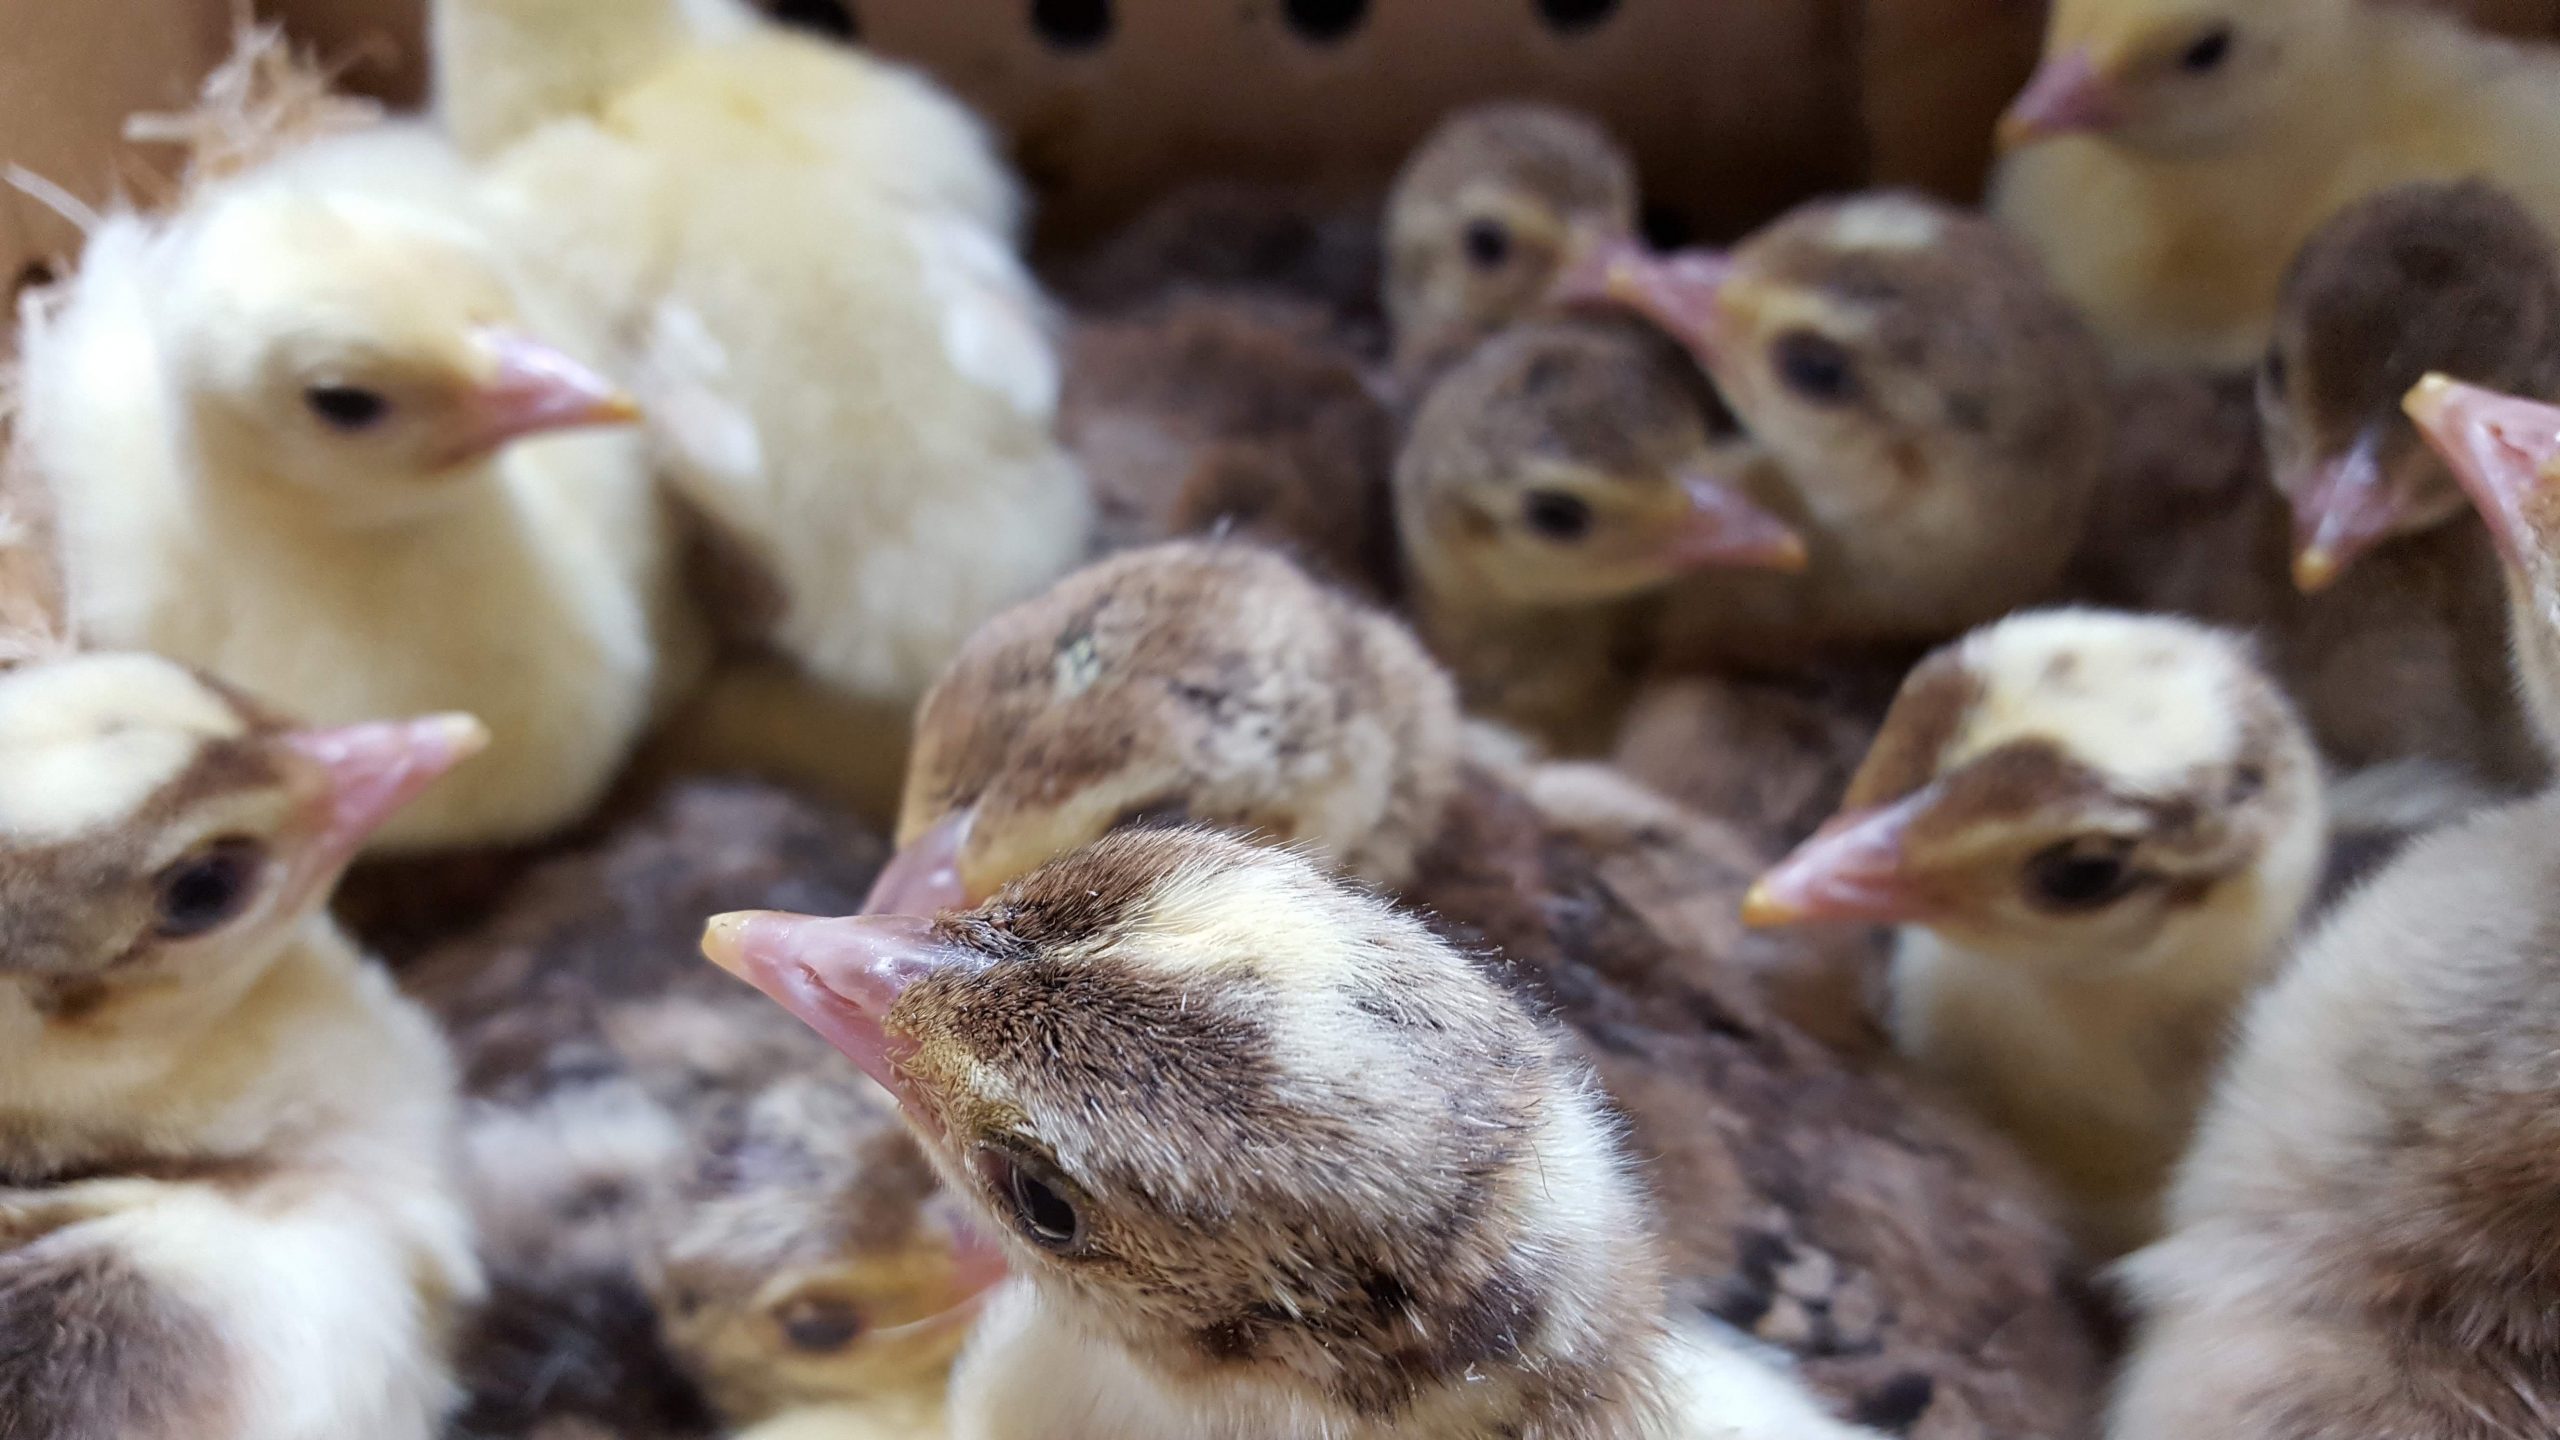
{"type": "Point", "coordinates": [2175, 78]}
{"type": "Point", "coordinates": [1241, 1117]}
{"type": "Point", "coordinates": [1200, 682]}
{"type": "Point", "coordinates": [1495, 204]}
{"type": "Point", "coordinates": [360, 351]}
{"type": "Point", "coordinates": [1905, 364]}
{"type": "Point", "coordinates": [2505, 451]}
{"type": "Point", "coordinates": [2073, 788]}
{"type": "Point", "coordinates": [1566, 463]}
{"type": "Point", "coordinates": [814, 1258]}
{"type": "Point", "coordinates": [161, 837]}
{"type": "Point", "coordinates": [2429, 277]}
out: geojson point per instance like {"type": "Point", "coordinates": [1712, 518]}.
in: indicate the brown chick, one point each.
{"type": "Point", "coordinates": [1937, 408]}
{"type": "Point", "coordinates": [697, 1219]}
{"type": "Point", "coordinates": [2361, 1239]}
{"type": "Point", "coordinates": [1218, 685]}
{"type": "Point", "coordinates": [1551, 486]}
{"type": "Point", "coordinates": [1360, 1193]}
{"type": "Point", "coordinates": [1493, 208]}
{"type": "Point", "coordinates": [1219, 415]}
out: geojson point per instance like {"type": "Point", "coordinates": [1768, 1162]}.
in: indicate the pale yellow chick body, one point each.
{"type": "Point", "coordinates": [809, 254]}
{"type": "Point", "coordinates": [282, 427]}
{"type": "Point", "coordinates": [2172, 221]}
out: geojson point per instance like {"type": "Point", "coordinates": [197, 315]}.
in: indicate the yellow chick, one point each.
{"type": "Point", "coordinates": [282, 428]}
{"type": "Point", "coordinates": [227, 1206]}
{"type": "Point", "coordinates": [846, 365]}
{"type": "Point", "coordinates": [2359, 1239]}
{"type": "Point", "coordinates": [2099, 831]}
{"type": "Point", "coordinates": [1357, 1190]}
{"type": "Point", "coordinates": [2171, 156]}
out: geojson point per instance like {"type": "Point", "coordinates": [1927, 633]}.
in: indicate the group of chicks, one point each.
{"type": "Point", "coordinates": [1395, 775]}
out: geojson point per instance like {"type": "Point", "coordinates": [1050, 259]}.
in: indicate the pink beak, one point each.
{"type": "Point", "coordinates": [376, 768]}
{"type": "Point", "coordinates": [534, 389]}
{"type": "Point", "coordinates": [1682, 292]}
{"type": "Point", "coordinates": [924, 878]}
{"type": "Point", "coordinates": [1723, 527]}
{"type": "Point", "coordinates": [2066, 96]}
{"type": "Point", "coordinates": [839, 977]}
{"type": "Point", "coordinates": [2499, 447]}
{"type": "Point", "coordinates": [1851, 870]}
{"type": "Point", "coordinates": [2341, 511]}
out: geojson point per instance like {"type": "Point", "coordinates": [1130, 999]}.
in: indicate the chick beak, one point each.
{"type": "Point", "coordinates": [375, 768]}
{"type": "Point", "coordinates": [839, 977]}
{"type": "Point", "coordinates": [2066, 96]}
{"type": "Point", "coordinates": [924, 878]}
{"type": "Point", "coordinates": [2342, 510]}
{"type": "Point", "coordinates": [1723, 527]}
{"type": "Point", "coordinates": [528, 388]}
{"type": "Point", "coordinates": [1681, 292]}
{"type": "Point", "coordinates": [2504, 451]}
{"type": "Point", "coordinates": [1851, 870]}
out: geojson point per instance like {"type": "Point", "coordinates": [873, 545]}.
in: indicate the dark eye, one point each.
{"type": "Point", "coordinates": [208, 889]}
{"type": "Point", "coordinates": [1034, 1199]}
{"type": "Point", "coordinates": [346, 407]}
{"type": "Point", "coordinates": [2080, 874]}
{"type": "Point", "coordinates": [1816, 367]}
{"type": "Point", "coordinates": [2208, 52]}
{"type": "Point", "coordinates": [819, 1326]}
{"type": "Point", "coordinates": [1556, 515]}
{"type": "Point", "coordinates": [1488, 243]}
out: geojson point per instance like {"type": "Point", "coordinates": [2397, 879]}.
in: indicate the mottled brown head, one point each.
{"type": "Point", "coordinates": [1243, 1118]}
{"type": "Point", "coordinates": [814, 1257]}
{"type": "Point", "coordinates": [2178, 77]}
{"type": "Point", "coordinates": [1486, 214]}
{"type": "Point", "coordinates": [2451, 278]}
{"type": "Point", "coordinates": [1570, 462]}
{"type": "Point", "coordinates": [160, 834]}
{"type": "Point", "coordinates": [2075, 788]}
{"type": "Point", "coordinates": [1939, 410]}
{"type": "Point", "coordinates": [1213, 683]}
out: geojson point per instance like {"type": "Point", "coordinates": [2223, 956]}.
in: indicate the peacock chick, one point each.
{"type": "Point", "coordinates": [1938, 410]}
{"type": "Point", "coordinates": [1551, 486]}
{"type": "Point", "coordinates": [2098, 832]}
{"type": "Point", "coordinates": [1364, 1192]}
{"type": "Point", "coordinates": [290, 430]}
{"type": "Point", "coordinates": [700, 1222]}
{"type": "Point", "coordinates": [227, 1208]}
{"type": "Point", "coordinates": [1218, 685]}
{"type": "Point", "coordinates": [1494, 208]}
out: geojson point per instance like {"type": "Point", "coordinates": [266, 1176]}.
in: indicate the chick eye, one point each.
{"type": "Point", "coordinates": [2208, 52]}
{"type": "Point", "coordinates": [2080, 874]}
{"type": "Point", "coordinates": [1488, 243]}
{"type": "Point", "coordinates": [1556, 515]}
{"type": "Point", "coordinates": [346, 407]}
{"type": "Point", "coordinates": [1816, 367]}
{"type": "Point", "coordinates": [1034, 1199]}
{"type": "Point", "coordinates": [819, 1326]}
{"type": "Point", "coordinates": [207, 889]}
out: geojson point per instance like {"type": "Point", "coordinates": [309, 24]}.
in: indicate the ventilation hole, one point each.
{"type": "Point", "coordinates": [832, 18]}
{"type": "Point", "coordinates": [31, 275]}
{"type": "Point", "coordinates": [1072, 24]}
{"type": "Point", "coordinates": [1571, 15]}
{"type": "Point", "coordinates": [1667, 227]}
{"type": "Point", "coordinates": [1325, 21]}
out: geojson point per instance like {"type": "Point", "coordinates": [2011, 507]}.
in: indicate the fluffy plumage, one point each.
{"type": "Point", "coordinates": [1433, 1231]}
{"type": "Point", "coordinates": [2099, 831]}
{"type": "Point", "coordinates": [809, 256]}
{"type": "Point", "coordinates": [281, 425]}
{"type": "Point", "coordinates": [1217, 685]}
{"type": "Point", "coordinates": [2190, 147]}
{"type": "Point", "coordinates": [225, 1203]}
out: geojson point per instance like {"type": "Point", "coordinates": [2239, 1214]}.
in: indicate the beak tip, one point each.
{"type": "Point", "coordinates": [2315, 571]}
{"type": "Point", "coordinates": [1762, 909]}
{"type": "Point", "coordinates": [2428, 400]}
{"type": "Point", "coordinates": [724, 940]}
{"type": "Point", "coordinates": [463, 733]}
